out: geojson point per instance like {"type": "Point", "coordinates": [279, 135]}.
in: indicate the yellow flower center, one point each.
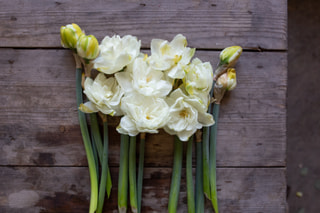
{"type": "Point", "coordinates": [177, 58]}
{"type": "Point", "coordinates": [183, 113]}
{"type": "Point", "coordinates": [165, 49]}
{"type": "Point", "coordinates": [145, 57]}
{"type": "Point", "coordinates": [148, 79]}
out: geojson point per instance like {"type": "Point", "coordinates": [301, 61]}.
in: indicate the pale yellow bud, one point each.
{"type": "Point", "coordinates": [88, 47]}
{"type": "Point", "coordinates": [69, 35]}
{"type": "Point", "coordinates": [226, 82]}
{"type": "Point", "coordinates": [230, 55]}
{"type": "Point", "coordinates": [231, 79]}
{"type": "Point", "coordinates": [228, 58]}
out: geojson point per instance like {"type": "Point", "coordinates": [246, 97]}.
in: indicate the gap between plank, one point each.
{"type": "Point", "coordinates": [245, 49]}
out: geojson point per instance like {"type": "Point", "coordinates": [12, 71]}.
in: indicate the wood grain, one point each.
{"type": "Point", "coordinates": [34, 189]}
{"type": "Point", "coordinates": [209, 24]}
{"type": "Point", "coordinates": [43, 167]}
{"type": "Point", "coordinates": [39, 125]}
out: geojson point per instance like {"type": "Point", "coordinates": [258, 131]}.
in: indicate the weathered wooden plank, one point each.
{"type": "Point", "coordinates": [207, 24]}
{"type": "Point", "coordinates": [39, 125]}
{"type": "Point", "coordinates": [54, 189]}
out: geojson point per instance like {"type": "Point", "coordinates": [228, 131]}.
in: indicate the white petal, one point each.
{"type": "Point", "coordinates": [125, 81]}
{"type": "Point", "coordinates": [176, 72]}
{"type": "Point", "coordinates": [127, 126]}
{"type": "Point", "coordinates": [206, 119]}
{"type": "Point", "coordinates": [88, 107]}
{"type": "Point", "coordinates": [179, 42]}
{"type": "Point", "coordinates": [155, 46]}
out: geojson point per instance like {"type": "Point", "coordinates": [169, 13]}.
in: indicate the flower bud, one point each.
{"type": "Point", "coordinates": [230, 55]}
{"type": "Point", "coordinates": [226, 82]}
{"type": "Point", "coordinates": [88, 47]}
{"type": "Point", "coordinates": [228, 58]}
{"type": "Point", "coordinates": [69, 35]}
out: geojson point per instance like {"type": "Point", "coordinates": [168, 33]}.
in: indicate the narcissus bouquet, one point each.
{"type": "Point", "coordinates": [167, 90]}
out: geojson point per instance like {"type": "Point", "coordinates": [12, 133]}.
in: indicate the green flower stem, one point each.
{"type": "Point", "coordinates": [96, 135]}
{"type": "Point", "coordinates": [123, 174]}
{"type": "Point", "coordinates": [176, 176]}
{"type": "Point", "coordinates": [104, 172]}
{"type": "Point", "coordinates": [87, 145]}
{"type": "Point", "coordinates": [205, 161]}
{"type": "Point", "coordinates": [213, 142]}
{"type": "Point", "coordinates": [99, 147]}
{"type": "Point", "coordinates": [132, 175]}
{"type": "Point", "coordinates": [190, 189]}
{"type": "Point", "coordinates": [211, 95]}
{"type": "Point", "coordinates": [199, 179]}
{"type": "Point", "coordinates": [140, 169]}
{"type": "Point", "coordinates": [95, 156]}
{"type": "Point", "coordinates": [205, 153]}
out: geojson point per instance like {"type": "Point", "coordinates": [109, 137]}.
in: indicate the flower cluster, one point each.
{"type": "Point", "coordinates": [165, 90]}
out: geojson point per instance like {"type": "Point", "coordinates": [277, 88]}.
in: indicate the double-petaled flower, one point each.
{"type": "Point", "coordinates": [104, 95]}
{"type": "Point", "coordinates": [142, 114]}
{"type": "Point", "coordinates": [198, 81]}
{"type": "Point", "coordinates": [143, 79]}
{"type": "Point", "coordinates": [172, 56]}
{"type": "Point", "coordinates": [116, 53]}
{"type": "Point", "coordinates": [186, 115]}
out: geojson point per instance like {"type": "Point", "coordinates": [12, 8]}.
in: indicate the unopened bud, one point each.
{"type": "Point", "coordinates": [230, 55]}
{"type": "Point", "coordinates": [226, 82]}
{"type": "Point", "coordinates": [228, 58]}
{"type": "Point", "coordinates": [88, 47]}
{"type": "Point", "coordinates": [69, 35]}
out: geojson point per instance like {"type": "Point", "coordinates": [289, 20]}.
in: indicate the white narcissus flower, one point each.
{"type": "Point", "coordinates": [198, 80]}
{"type": "Point", "coordinates": [171, 56]}
{"type": "Point", "coordinates": [199, 77]}
{"type": "Point", "coordinates": [185, 117]}
{"type": "Point", "coordinates": [140, 77]}
{"type": "Point", "coordinates": [142, 114]}
{"type": "Point", "coordinates": [104, 95]}
{"type": "Point", "coordinates": [116, 53]}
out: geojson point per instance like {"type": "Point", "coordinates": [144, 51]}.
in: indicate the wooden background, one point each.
{"type": "Point", "coordinates": [43, 165]}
